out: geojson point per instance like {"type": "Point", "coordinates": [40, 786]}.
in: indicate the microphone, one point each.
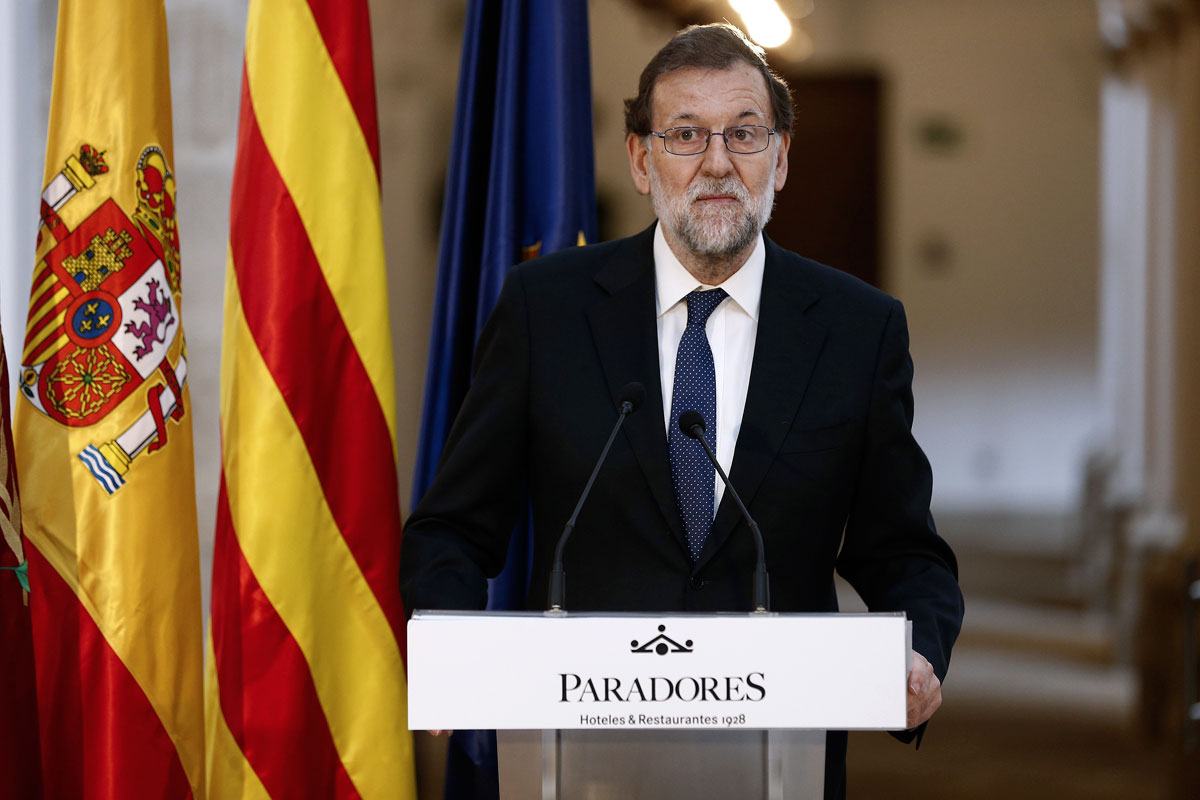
{"type": "Point", "coordinates": [630, 399]}
{"type": "Point", "coordinates": [692, 424]}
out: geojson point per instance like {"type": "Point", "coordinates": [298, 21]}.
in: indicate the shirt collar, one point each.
{"type": "Point", "coordinates": [672, 281]}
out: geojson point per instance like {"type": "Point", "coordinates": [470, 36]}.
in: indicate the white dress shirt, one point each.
{"type": "Point", "coordinates": [732, 330]}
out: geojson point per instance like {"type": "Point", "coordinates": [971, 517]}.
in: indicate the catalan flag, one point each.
{"type": "Point", "coordinates": [306, 692]}
{"type": "Point", "coordinates": [103, 429]}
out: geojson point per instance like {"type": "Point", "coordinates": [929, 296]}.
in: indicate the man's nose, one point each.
{"type": "Point", "coordinates": [716, 157]}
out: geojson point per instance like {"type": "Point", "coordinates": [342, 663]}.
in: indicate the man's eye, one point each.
{"type": "Point", "coordinates": [686, 136]}
{"type": "Point", "coordinates": [741, 134]}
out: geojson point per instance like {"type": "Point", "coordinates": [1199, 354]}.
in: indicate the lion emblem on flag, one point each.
{"type": "Point", "coordinates": [104, 316]}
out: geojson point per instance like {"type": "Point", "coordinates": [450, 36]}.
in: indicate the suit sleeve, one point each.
{"type": "Point", "coordinates": [457, 536]}
{"type": "Point", "coordinates": [891, 553]}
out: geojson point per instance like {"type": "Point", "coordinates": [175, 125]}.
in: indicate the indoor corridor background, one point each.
{"type": "Point", "coordinates": [1023, 174]}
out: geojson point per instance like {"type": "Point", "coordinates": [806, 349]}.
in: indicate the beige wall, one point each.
{"type": "Point", "coordinates": [1004, 337]}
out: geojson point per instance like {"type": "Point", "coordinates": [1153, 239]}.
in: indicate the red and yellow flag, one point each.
{"type": "Point", "coordinates": [103, 430]}
{"type": "Point", "coordinates": [306, 692]}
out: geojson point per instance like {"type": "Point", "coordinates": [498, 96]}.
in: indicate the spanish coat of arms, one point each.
{"type": "Point", "coordinates": [103, 313]}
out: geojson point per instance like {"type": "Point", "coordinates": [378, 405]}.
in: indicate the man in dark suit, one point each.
{"type": "Point", "coordinates": [801, 372]}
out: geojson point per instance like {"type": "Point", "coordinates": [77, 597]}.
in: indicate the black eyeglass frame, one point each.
{"type": "Point", "coordinates": [708, 139]}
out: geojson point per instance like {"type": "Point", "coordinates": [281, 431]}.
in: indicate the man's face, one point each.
{"type": "Point", "coordinates": [713, 204]}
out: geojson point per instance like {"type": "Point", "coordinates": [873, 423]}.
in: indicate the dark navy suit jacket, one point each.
{"type": "Point", "coordinates": [825, 460]}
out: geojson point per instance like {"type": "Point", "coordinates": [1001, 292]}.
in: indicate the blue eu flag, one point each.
{"type": "Point", "coordinates": [521, 183]}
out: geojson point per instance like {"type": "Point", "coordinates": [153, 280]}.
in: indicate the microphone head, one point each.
{"type": "Point", "coordinates": [689, 421]}
{"type": "Point", "coordinates": [632, 393]}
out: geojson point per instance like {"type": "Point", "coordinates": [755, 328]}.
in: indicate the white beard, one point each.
{"type": "Point", "coordinates": [718, 231]}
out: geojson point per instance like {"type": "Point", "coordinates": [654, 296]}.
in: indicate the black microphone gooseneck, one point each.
{"type": "Point", "coordinates": [692, 424]}
{"type": "Point", "coordinates": [630, 400]}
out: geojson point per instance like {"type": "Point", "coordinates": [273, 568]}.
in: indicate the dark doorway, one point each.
{"type": "Point", "coordinates": [830, 209]}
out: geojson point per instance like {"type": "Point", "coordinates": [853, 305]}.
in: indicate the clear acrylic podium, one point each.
{"type": "Point", "coordinates": [657, 764]}
{"type": "Point", "coordinates": [596, 706]}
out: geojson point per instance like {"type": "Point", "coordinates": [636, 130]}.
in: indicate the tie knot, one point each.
{"type": "Point", "coordinates": [702, 304]}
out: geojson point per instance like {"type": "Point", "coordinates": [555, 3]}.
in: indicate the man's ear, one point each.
{"type": "Point", "coordinates": [781, 160]}
{"type": "Point", "coordinates": [639, 166]}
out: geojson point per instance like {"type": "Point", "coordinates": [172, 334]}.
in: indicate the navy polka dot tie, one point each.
{"type": "Point", "coordinates": [695, 388]}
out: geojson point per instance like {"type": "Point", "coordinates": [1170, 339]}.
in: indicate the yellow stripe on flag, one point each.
{"type": "Point", "coordinates": [319, 149]}
{"type": "Point", "coordinates": [313, 583]}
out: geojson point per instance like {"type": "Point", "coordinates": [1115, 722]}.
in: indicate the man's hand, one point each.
{"type": "Point", "coordinates": [924, 691]}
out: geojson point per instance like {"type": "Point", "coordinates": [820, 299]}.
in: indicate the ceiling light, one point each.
{"type": "Point", "coordinates": [765, 21]}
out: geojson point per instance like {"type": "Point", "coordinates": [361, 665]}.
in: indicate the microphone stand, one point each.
{"type": "Point", "coordinates": [632, 396]}
{"type": "Point", "coordinates": [762, 590]}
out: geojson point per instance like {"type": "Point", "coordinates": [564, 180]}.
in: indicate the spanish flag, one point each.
{"type": "Point", "coordinates": [306, 692]}
{"type": "Point", "coordinates": [103, 429]}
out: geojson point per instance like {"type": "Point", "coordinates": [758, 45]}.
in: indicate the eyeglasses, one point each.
{"type": "Point", "coordinates": [740, 139]}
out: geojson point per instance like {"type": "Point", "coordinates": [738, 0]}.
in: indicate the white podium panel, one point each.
{"type": "Point", "coordinates": [641, 671]}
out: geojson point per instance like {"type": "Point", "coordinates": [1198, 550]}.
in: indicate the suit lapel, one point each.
{"type": "Point", "coordinates": [786, 348]}
{"type": "Point", "coordinates": [625, 331]}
